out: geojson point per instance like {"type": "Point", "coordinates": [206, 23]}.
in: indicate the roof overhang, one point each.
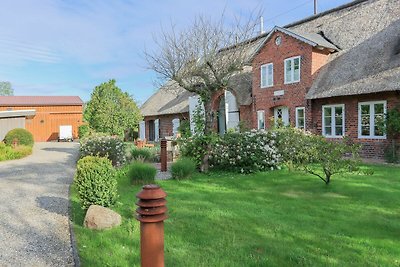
{"type": "Point", "coordinates": [30, 113]}
{"type": "Point", "coordinates": [297, 36]}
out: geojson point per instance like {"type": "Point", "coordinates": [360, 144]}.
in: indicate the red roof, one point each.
{"type": "Point", "coordinates": [40, 101]}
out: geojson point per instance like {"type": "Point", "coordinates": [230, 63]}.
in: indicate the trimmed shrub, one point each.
{"type": "Point", "coordinates": [140, 172]}
{"type": "Point", "coordinates": [183, 168]}
{"type": "Point", "coordinates": [96, 182]}
{"type": "Point", "coordinates": [145, 154]}
{"type": "Point", "coordinates": [84, 131]}
{"type": "Point", "coordinates": [246, 152]}
{"type": "Point", "coordinates": [10, 153]}
{"type": "Point", "coordinates": [23, 136]}
{"type": "Point", "coordinates": [110, 147]}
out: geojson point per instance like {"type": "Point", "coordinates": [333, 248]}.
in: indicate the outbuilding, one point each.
{"type": "Point", "coordinates": [41, 115]}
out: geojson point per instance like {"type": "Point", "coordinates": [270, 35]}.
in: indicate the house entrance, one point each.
{"type": "Point", "coordinates": [281, 116]}
{"type": "Point", "coordinates": [228, 113]}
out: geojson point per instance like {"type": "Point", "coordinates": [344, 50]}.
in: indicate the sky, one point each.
{"type": "Point", "coordinates": [67, 47]}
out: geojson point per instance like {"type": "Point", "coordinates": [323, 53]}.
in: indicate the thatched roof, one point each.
{"type": "Point", "coordinates": [370, 67]}
{"type": "Point", "coordinates": [366, 34]}
{"type": "Point", "coordinates": [169, 99]}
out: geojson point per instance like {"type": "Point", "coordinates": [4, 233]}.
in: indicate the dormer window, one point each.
{"type": "Point", "coordinates": [292, 70]}
{"type": "Point", "coordinates": [267, 75]}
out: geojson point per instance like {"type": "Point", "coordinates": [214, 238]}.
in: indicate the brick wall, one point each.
{"type": "Point", "coordinates": [371, 148]}
{"type": "Point", "coordinates": [294, 94]}
{"type": "Point", "coordinates": [165, 123]}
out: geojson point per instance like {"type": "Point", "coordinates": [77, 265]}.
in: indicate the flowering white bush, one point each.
{"type": "Point", "coordinates": [246, 152]}
{"type": "Point", "coordinates": [110, 147]}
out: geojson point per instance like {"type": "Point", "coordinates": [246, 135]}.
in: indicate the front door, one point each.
{"type": "Point", "coordinates": [281, 116]}
{"type": "Point", "coordinates": [152, 132]}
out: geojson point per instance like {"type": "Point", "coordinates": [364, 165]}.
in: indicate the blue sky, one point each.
{"type": "Point", "coordinates": [67, 47]}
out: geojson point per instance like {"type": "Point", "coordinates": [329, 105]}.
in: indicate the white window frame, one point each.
{"type": "Point", "coordinates": [333, 122]}
{"type": "Point", "coordinates": [265, 66]}
{"type": "Point", "coordinates": [297, 117]}
{"type": "Point", "coordinates": [291, 59]}
{"type": "Point", "coordinates": [258, 119]}
{"type": "Point", "coordinates": [371, 119]}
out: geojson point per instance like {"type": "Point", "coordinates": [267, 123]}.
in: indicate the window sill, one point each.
{"type": "Point", "coordinates": [333, 136]}
{"type": "Point", "coordinates": [291, 82]}
{"type": "Point", "coordinates": [268, 86]}
{"type": "Point", "coordinates": [372, 137]}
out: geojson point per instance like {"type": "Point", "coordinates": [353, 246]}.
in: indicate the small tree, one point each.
{"type": "Point", "coordinates": [315, 155]}
{"type": "Point", "coordinates": [6, 89]}
{"type": "Point", "coordinates": [111, 111]}
{"type": "Point", "coordinates": [329, 158]}
{"type": "Point", "coordinates": [203, 59]}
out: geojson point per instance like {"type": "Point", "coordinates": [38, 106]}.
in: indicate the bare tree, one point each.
{"type": "Point", "coordinates": [203, 58]}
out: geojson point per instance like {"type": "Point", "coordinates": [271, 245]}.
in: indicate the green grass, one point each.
{"type": "Point", "coordinates": [278, 218]}
{"type": "Point", "coordinates": [10, 153]}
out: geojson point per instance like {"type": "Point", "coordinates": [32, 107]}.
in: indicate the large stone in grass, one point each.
{"type": "Point", "coordinates": [98, 217]}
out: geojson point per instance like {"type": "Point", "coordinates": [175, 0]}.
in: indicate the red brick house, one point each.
{"type": "Point", "coordinates": [340, 85]}
{"type": "Point", "coordinates": [336, 74]}
{"type": "Point", "coordinates": [163, 112]}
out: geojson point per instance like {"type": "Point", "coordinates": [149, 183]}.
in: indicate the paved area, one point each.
{"type": "Point", "coordinates": [34, 206]}
{"type": "Point", "coordinates": [163, 175]}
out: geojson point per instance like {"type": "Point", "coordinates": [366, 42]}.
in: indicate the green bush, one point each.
{"type": "Point", "coordinates": [246, 152]}
{"type": "Point", "coordinates": [315, 155]}
{"type": "Point", "coordinates": [111, 147]}
{"type": "Point", "coordinates": [183, 168]}
{"type": "Point", "coordinates": [23, 136]}
{"type": "Point", "coordinates": [96, 182]}
{"type": "Point", "coordinates": [10, 153]}
{"type": "Point", "coordinates": [84, 131]}
{"type": "Point", "coordinates": [140, 172]}
{"type": "Point", "coordinates": [145, 154]}
{"type": "Point", "coordinates": [196, 146]}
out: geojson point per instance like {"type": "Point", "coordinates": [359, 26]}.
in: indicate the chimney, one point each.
{"type": "Point", "coordinates": [261, 25]}
{"type": "Point", "coordinates": [315, 7]}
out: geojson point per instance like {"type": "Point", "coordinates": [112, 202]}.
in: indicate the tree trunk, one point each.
{"type": "Point", "coordinates": [208, 126]}
{"type": "Point", "coordinates": [327, 179]}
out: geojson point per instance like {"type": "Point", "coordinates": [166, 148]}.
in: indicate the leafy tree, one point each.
{"type": "Point", "coordinates": [110, 110]}
{"type": "Point", "coordinates": [315, 155]}
{"type": "Point", "coordinates": [6, 89]}
{"type": "Point", "coordinates": [203, 59]}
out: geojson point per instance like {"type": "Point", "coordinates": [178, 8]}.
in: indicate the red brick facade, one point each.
{"type": "Point", "coordinates": [294, 93]}
{"type": "Point", "coordinates": [371, 148]}
{"type": "Point", "coordinates": [312, 60]}
{"type": "Point", "coordinates": [165, 123]}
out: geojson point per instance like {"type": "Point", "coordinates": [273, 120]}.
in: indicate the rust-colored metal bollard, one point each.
{"type": "Point", "coordinates": [151, 214]}
{"type": "Point", "coordinates": [163, 155]}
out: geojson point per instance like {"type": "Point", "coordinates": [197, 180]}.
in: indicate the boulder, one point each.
{"type": "Point", "coordinates": [98, 217]}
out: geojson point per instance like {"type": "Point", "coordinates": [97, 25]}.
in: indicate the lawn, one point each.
{"type": "Point", "coordinates": [278, 218]}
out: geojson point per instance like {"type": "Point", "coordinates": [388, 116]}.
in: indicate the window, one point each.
{"type": "Point", "coordinates": [267, 75]}
{"type": "Point", "coordinates": [371, 119]}
{"type": "Point", "coordinates": [292, 70]}
{"type": "Point", "coordinates": [175, 126]}
{"type": "Point", "coordinates": [261, 119]}
{"type": "Point", "coordinates": [300, 118]}
{"type": "Point", "coordinates": [333, 121]}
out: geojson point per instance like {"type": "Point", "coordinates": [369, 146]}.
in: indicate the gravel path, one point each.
{"type": "Point", "coordinates": [34, 207]}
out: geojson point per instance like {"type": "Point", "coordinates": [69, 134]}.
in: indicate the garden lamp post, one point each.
{"type": "Point", "coordinates": [151, 214]}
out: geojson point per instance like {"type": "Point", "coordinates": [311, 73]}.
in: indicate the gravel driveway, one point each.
{"type": "Point", "coordinates": [34, 206]}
